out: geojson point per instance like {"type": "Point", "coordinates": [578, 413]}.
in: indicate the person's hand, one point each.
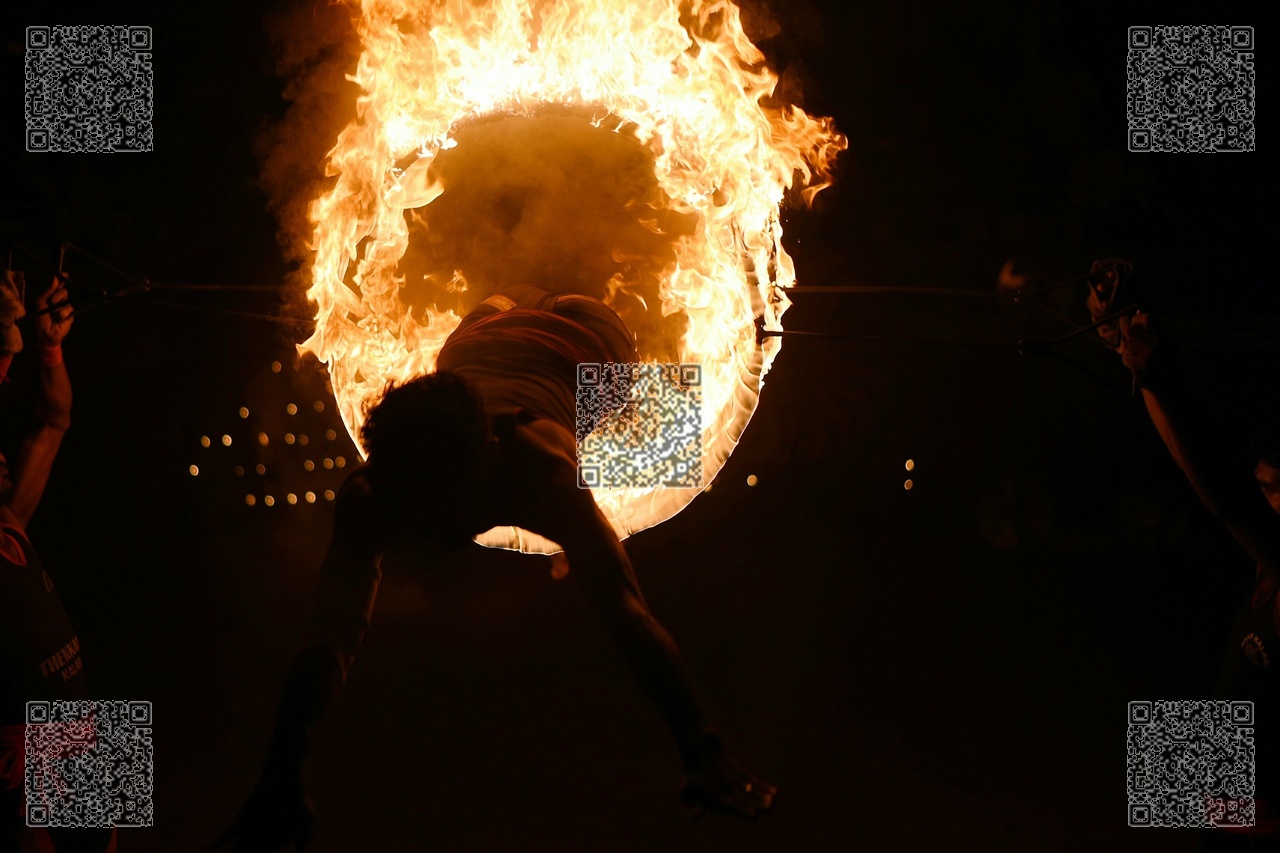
{"type": "Point", "coordinates": [54, 325]}
{"type": "Point", "coordinates": [1106, 277]}
{"type": "Point", "coordinates": [11, 310]}
{"type": "Point", "coordinates": [713, 780]}
{"type": "Point", "coordinates": [1138, 343]}
{"type": "Point", "coordinates": [278, 813]}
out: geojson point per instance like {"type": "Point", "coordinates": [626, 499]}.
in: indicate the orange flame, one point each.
{"type": "Point", "coordinates": [691, 89]}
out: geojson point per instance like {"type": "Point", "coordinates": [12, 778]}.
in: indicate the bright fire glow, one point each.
{"type": "Point", "coordinates": [693, 91]}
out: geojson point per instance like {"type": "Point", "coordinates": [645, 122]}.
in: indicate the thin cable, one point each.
{"type": "Point", "coordinates": [66, 279]}
{"type": "Point", "coordinates": [274, 318]}
{"type": "Point", "coordinates": [1126, 394]}
{"type": "Point", "coordinates": [1072, 323]}
{"type": "Point", "coordinates": [1080, 330]}
{"type": "Point", "coordinates": [126, 276]}
{"type": "Point", "coordinates": [881, 339]}
{"type": "Point", "coordinates": [867, 288]}
{"type": "Point", "coordinates": [148, 284]}
{"type": "Point", "coordinates": [1080, 279]}
{"type": "Point", "coordinates": [248, 288]}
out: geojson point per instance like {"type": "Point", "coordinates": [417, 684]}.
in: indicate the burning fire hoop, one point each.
{"type": "Point", "coordinates": [690, 88]}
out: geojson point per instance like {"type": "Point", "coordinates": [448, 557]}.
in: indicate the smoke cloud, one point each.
{"type": "Point", "coordinates": [553, 202]}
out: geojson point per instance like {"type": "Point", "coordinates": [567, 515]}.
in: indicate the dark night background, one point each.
{"type": "Point", "coordinates": [941, 668]}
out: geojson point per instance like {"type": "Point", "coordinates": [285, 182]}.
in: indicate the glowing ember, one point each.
{"type": "Point", "coordinates": [697, 262]}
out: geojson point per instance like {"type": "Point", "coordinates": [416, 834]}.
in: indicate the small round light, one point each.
{"type": "Point", "coordinates": [328, 494]}
{"type": "Point", "coordinates": [309, 465]}
{"type": "Point", "coordinates": [911, 465]}
{"type": "Point", "coordinates": [291, 498]}
{"type": "Point", "coordinates": [204, 441]}
{"type": "Point", "coordinates": [194, 471]}
{"type": "Point", "coordinates": [302, 439]}
{"type": "Point", "coordinates": [328, 463]}
{"type": "Point", "coordinates": [907, 485]}
{"type": "Point", "coordinates": [269, 501]}
{"type": "Point", "coordinates": [291, 409]}
{"type": "Point", "coordinates": [260, 468]}
{"type": "Point", "coordinates": [311, 497]}
{"type": "Point", "coordinates": [250, 500]}
{"type": "Point", "coordinates": [752, 479]}
{"type": "Point", "coordinates": [330, 434]}
{"type": "Point", "coordinates": [239, 470]}
{"type": "Point", "coordinates": [318, 405]}
{"type": "Point", "coordinates": [341, 462]}
{"type": "Point", "coordinates": [244, 412]}
{"type": "Point", "coordinates": [288, 438]}
{"type": "Point", "coordinates": [263, 439]}
{"type": "Point", "coordinates": [226, 441]}
{"type": "Point", "coordinates": [275, 367]}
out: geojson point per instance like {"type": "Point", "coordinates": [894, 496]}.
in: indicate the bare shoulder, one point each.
{"type": "Point", "coordinates": [545, 449]}
{"type": "Point", "coordinates": [544, 472]}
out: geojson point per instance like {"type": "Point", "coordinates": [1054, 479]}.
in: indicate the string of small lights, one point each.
{"type": "Point", "coordinates": [275, 453]}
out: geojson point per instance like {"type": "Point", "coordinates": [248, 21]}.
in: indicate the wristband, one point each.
{"type": "Point", "coordinates": [51, 355]}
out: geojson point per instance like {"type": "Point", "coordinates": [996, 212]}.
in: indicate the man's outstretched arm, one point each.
{"type": "Point", "coordinates": [349, 578]}
{"type": "Point", "coordinates": [278, 812]}
{"type": "Point", "coordinates": [1220, 473]}
{"type": "Point", "coordinates": [53, 413]}
{"type": "Point", "coordinates": [605, 576]}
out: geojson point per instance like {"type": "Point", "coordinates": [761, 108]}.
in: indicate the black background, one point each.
{"type": "Point", "coordinates": [941, 668]}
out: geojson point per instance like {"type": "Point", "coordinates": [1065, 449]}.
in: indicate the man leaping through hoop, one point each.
{"type": "Point", "coordinates": [486, 441]}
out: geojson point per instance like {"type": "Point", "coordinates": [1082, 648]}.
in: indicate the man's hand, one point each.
{"type": "Point", "coordinates": [1138, 344]}
{"type": "Point", "coordinates": [54, 325]}
{"type": "Point", "coordinates": [713, 780]}
{"type": "Point", "coordinates": [277, 814]}
{"type": "Point", "coordinates": [1106, 278]}
{"type": "Point", "coordinates": [12, 287]}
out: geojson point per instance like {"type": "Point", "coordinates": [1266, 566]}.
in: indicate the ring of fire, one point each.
{"type": "Point", "coordinates": [691, 88]}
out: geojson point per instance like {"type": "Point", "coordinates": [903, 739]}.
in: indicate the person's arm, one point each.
{"type": "Point", "coordinates": [349, 578]}
{"type": "Point", "coordinates": [53, 413]}
{"type": "Point", "coordinates": [1222, 477]}
{"type": "Point", "coordinates": [603, 573]}
{"type": "Point", "coordinates": [1229, 491]}
{"type": "Point", "coordinates": [278, 812]}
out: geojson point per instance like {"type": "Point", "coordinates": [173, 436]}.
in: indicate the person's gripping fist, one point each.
{"type": "Point", "coordinates": [55, 322]}
{"type": "Point", "coordinates": [11, 310]}
{"type": "Point", "coordinates": [1106, 279]}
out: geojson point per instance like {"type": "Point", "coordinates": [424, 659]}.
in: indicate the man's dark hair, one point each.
{"type": "Point", "coordinates": [426, 429]}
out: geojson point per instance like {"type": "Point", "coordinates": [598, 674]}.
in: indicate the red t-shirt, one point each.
{"type": "Point", "coordinates": [522, 349]}
{"type": "Point", "coordinates": [39, 649]}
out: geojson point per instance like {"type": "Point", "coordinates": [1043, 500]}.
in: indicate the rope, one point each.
{"type": "Point", "coordinates": [140, 286]}
{"type": "Point", "coordinates": [273, 318]}
{"type": "Point", "coordinates": [862, 288]}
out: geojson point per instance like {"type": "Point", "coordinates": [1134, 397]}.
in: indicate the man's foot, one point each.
{"type": "Point", "coordinates": [713, 780]}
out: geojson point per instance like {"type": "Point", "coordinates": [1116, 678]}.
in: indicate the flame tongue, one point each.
{"type": "Point", "coordinates": [690, 89]}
